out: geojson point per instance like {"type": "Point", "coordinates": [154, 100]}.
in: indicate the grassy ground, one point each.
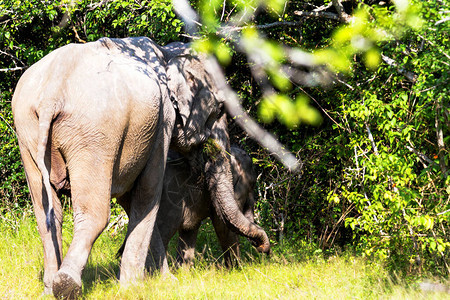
{"type": "Point", "coordinates": [282, 276]}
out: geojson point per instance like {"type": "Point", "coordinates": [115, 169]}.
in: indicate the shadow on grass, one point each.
{"type": "Point", "coordinates": [99, 273]}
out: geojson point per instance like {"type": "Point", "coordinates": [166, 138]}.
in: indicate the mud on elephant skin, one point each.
{"type": "Point", "coordinates": [95, 121]}
{"type": "Point", "coordinates": [186, 202]}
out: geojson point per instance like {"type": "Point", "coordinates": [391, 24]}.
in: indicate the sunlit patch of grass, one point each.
{"type": "Point", "coordinates": [21, 262]}
{"type": "Point", "coordinates": [338, 278]}
{"type": "Point", "coordinates": [287, 274]}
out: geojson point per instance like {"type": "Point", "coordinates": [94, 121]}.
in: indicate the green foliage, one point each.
{"type": "Point", "coordinates": [288, 112]}
{"type": "Point", "coordinates": [375, 170]}
{"type": "Point", "coordinates": [155, 19]}
{"type": "Point", "coordinates": [13, 185]}
{"type": "Point", "coordinates": [374, 174]}
{"type": "Point", "coordinates": [397, 174]}
{"type": "Point", "coordinates": [212, 149]}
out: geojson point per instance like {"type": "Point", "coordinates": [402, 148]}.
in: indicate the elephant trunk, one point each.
{"type": "Point", "coordinates": [220, 185]}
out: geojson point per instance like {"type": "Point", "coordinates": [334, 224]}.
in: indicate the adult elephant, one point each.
{"type": "Point", "coordinates": [95, 121]}
{"type": "Point", "coordinates": [186, 202]}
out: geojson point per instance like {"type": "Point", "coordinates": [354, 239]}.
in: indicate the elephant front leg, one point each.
{"type": "Point", "coordinates": [157, 256]}
{"type": "Point", "coordinates": [229, 241]}
{"type": "Point", "coordinates": [186, 246]}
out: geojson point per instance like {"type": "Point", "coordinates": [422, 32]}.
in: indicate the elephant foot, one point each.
{"type": "Point", "coordinates": [47, 291]}
{"type": "Point", "coordinates": [65, 286]}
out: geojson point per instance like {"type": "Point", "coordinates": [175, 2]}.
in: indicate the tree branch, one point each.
{"type": "Point", "coordinates": [323, 7]}
{"type": "Point", "coordinates": [421, 156]}
{"type": "Point", "coordinates": [94, 6]}
{"type": "Point", "coordinates": [228, 29]}
{"type": "Point", "coordinates": [12, 56]}
{"type": "Point", "coordinates": [343, 16]}
{"type": "Point", "coordinates": [317, 14]}
{"type": "Point", "coordinates": [4, 18]}
{"type": "Point", "coordinates": [188, 14]}
{"type": "Point", "coordinates": [13, 69]}
{"type": "Point", "coordinates": [440, 139]}
{"type": "Point", "coordinates": [374, 146]}
{"type": "Point", "coordinates": [256, 132]}
{"type": "Point", "coordinates": [9, 125]}
{"type": "Point", "coordinates": [442, 21]}
{"type": "Point", "coordinates": [434, 45]}
{"type": "Point", "coordinates": [408, 74]}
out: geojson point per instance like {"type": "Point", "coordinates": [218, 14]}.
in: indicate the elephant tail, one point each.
{"type": "Point", "coordinates": [45, 121]}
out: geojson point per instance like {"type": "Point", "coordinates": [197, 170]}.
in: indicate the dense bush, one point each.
{"type": "Point", "coordinates": [13, 187]}
{"type": "Point", "coordinates": [396, 131]}
{"type": "Point", "coordinates": [374, 174]}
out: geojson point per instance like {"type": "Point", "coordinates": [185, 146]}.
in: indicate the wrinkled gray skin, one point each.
{"type": "Point", "coordinates": [95, 121]}
{"type": "Point", "coordinates": [186, 202]}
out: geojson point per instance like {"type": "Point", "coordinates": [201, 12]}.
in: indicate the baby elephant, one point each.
{"type": "Point", "coordinates": [186, 202]}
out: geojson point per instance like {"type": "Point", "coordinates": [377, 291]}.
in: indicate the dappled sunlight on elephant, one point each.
{"type": "Point", "coordinates": [95, 121]}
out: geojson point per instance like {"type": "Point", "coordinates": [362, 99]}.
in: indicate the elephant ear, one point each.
{"type": "Point", "coordinates": [195, 99]}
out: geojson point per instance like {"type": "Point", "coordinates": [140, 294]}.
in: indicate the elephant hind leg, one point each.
{"type": "Point", "coordinates": [144, 204]}
{"type": "Point", "coordinates": [90, 187]}
{"type": "Point", "coordinates": [51, 237]}
{"type": "Point", "coordinates": [186, 246]}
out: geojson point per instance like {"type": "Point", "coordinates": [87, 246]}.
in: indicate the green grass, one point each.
{"type": "Point", "coordinates": [295, 274]}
